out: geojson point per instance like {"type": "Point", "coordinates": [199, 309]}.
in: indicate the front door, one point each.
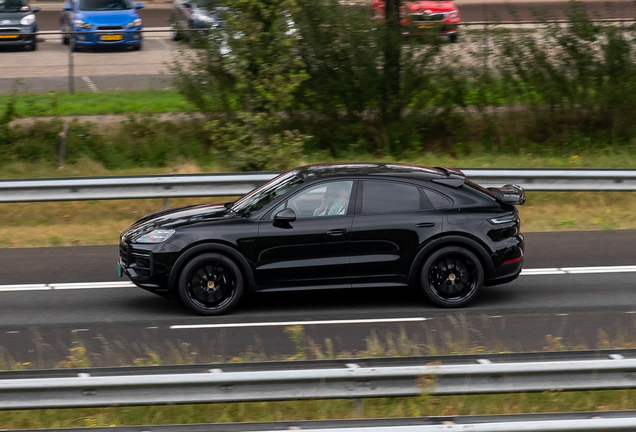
{"type": "Point", "coordinates": [312, 251]}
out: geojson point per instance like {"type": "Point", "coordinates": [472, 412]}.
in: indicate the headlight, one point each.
{"type": "Point", "coordinates": [156, 236]}
{"type": "Point", "coordinates": [197, 16]}
{"type": "Point", "coordinates": [135, 23]}
{"type": "Point", "coordinates": [454, 14]}
{"type": "Point", "coordinates": [83, 25]}
{"type": "Point", "coordinates": [28, 19]}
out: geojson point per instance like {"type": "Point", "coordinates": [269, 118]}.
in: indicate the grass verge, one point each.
{"type": "Point", "coordinates": [88, 103]}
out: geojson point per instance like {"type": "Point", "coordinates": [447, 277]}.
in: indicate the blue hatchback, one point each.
{"type": "Point", "coordinates": [101, 23]}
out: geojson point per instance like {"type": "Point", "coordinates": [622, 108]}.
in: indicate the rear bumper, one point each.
{"type": "Point", "coordinates": [509, 263]}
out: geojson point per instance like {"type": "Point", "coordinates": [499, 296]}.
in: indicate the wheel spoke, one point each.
{"type": "Point", "coordinates": [211, 284]}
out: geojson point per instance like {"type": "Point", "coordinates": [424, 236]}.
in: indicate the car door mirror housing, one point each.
{"type": "Point", "coordinates": [139, 5]}
{"type": "Point", "coordinates": [35, 9]}
{"type": "Point", "coordinates": [68, 7]}
{"type": "Point", "coordinates": [286, 215]}
{"type": "Point", "coordinates": [187, 5]}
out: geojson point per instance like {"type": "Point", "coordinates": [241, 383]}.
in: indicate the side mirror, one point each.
{"type": "Point", "coordinates": [287, 215]}
{"type": "Point", "coordinates": [139, 5]}
{"type": "Point", "coordinates": [68, 7]}
{"type": "Point", "coordinates": [35, 9]}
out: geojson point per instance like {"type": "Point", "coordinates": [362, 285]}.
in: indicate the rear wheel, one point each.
{"type": "Point", "coordinates": [453, 38]}
{"type": "Point", "coordinates": [452, 276]}
{"type": "Point", "coordinates": [210, 284]}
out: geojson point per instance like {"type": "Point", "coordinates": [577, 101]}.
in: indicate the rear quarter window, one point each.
{"type": "Point", "coordinates": [392, 197]}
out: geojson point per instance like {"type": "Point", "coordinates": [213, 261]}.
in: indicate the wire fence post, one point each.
{"type": "Point", "coordinates": [71, 78]}
{"type": "Point", "coordinates": [486, 47]}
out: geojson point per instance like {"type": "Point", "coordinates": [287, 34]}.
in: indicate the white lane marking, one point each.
{"type": "Point", "coordinates": [91, 85]}
{"type": "Point", "coordinates": [34, 287]}
{"type": "Point", "coordinates": [291, 323]}
{"type": "Point", "coordinates": [13, 332]}
{"type": "Point", "coordinates": [87, 285]}
{"type": "Point", "coordinates": [125, 284]}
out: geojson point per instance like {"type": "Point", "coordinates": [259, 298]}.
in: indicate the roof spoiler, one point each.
{"type": "Point", "coordinates": [509, 194]}
{"type": "Point", "coordinates": [453, 177]}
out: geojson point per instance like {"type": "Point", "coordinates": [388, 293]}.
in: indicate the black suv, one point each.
{"type": "Point", "coordinates": [333, 226]}
{"type": "Point", "coordinates": [17, 24]}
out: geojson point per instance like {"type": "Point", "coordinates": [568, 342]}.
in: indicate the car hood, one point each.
{"type": "Point", "coordinates": [174, 218]}
{"type": "Point", "coordinates": [119, 17]}
{"type": "Point", "coordinates": [432, 6]}
{"type": "Point", "coordinates": [13, 18]}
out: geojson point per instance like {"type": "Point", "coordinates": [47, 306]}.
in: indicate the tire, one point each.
{"type": "Point", "coordinates": [138, 47]}
{"type": "Point", "coordinates": [453, 38]}
{"type": "Point", "coordinates": [65, 40]}
{"type": "Point", "coordinates": [452, 277]}
{"type": "Point", "coordinates": [210, 284]}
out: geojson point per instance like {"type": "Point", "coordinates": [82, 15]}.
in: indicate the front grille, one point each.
{"type": "Point", "coordinates": [110, 28]}
{"type": "Point", "coordinates": [10, 32]}
{"type": "Point", "coordinates": [437, 17]}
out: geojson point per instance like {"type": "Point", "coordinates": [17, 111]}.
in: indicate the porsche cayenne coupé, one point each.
{"type": "Point", "coordinates": [333, 226]}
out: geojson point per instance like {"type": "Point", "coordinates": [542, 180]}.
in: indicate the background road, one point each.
{"type": "Point", "coordinates": [117, 323]}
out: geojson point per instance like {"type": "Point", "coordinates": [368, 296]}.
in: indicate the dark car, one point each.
{"type": "Point", "coordinates": [333, 226]}
{"type": "Point", "coordinates": [188, 15]}
{"type": "Point", "coordinates": [17, 24]}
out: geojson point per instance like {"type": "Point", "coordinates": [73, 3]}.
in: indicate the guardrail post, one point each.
{"type": "Point", "coordinates": [71, 79]}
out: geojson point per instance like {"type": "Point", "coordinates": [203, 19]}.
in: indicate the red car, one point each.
{"type": "Point", "coordinates": [418, 16]}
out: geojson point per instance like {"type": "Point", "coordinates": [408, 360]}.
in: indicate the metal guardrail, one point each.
{"type": "Point", "coordinates": [572, 421]}
{"type": "Point", "coordinates": [350, 382]}
{"type": "Point", "coordinates": [208, 185]}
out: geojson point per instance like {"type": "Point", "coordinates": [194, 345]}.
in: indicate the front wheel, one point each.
{"type": "Point", "coordinates": [453, 38]}
{"type": "Point", "coordinates": [210, 284]}
{"type": "Point", "coordinates": [452, 277]}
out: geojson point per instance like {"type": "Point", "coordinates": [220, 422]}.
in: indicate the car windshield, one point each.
{"type": "Point", "coordinates": [101, 5]}
{"type": "Point", "coordinates": [261, 197]}
{"type": "Point", "coordinates": [13, 5]}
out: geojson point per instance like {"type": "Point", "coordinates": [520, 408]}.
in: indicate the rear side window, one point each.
{"type": "Point", "coordinates": [392, 197]}
{"type": "Point", "coordinates": [438, 200]}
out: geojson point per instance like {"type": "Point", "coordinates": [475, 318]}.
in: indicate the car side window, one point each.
{"type": "Point", "coordinates": [325, 199]}
{"type": "Point", "coordinates": [392, 197]}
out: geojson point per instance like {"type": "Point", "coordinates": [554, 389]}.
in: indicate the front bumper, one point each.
{"type": "Point", "coordinates": [129, 37]}
{"type": "Point", "coordinates": [147, 266]}
{"type": "Point", "coordinates": [17, 35]}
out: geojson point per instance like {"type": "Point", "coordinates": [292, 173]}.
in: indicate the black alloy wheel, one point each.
{"type": "Point", "coordinates": [452, 276]}
{"type": "Point", "coordinates": [210, 284]}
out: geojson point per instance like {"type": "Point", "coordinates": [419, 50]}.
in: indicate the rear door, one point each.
{"type": "Point", "coordinates": [392, 220]}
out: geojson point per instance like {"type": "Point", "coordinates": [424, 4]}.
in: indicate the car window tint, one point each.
{"type": "Point", "coordinates": [437, 199]}
{"type": "Point", "coordinates": [389, 197]}
{"type": "Point", "coordinates": [325, 199]}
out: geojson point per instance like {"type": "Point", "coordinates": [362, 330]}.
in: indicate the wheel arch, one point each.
{"type": "Point", "coordinates": [199, 249]}
{"type": "Point", "coordinates": [469, 243]}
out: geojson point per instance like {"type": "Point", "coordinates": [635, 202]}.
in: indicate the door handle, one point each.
{"type": "Point", "coordinates": [425, 225]}
{"type": "Point", "coordinates": [336, 232]}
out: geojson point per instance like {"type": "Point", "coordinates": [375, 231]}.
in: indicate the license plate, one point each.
{"type": "Point", "coordinates": [427, 26]}
{"type": "Point", "coordinates": [9, 36]}
{"type": "Point", "coordinates": [111, 38]}
{"type": "Point", "coordinates": [119, 271]}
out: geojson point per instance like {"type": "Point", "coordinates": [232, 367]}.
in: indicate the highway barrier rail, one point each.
{"type": "Point", "coordinates": [574, 421]}
{"type": "Point", "coordinates": [235, 184]}
{"type": "Point", "coordinates": [270, 382]}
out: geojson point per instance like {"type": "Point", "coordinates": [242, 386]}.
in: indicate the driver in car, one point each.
{"type": "Point", "coordinates": [335, 201]}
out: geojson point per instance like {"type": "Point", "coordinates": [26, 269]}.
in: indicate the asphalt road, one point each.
{"type": "Point", "coordinates": [119, 324]}
{"type": "Point", "coordinates": [519, 11]}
